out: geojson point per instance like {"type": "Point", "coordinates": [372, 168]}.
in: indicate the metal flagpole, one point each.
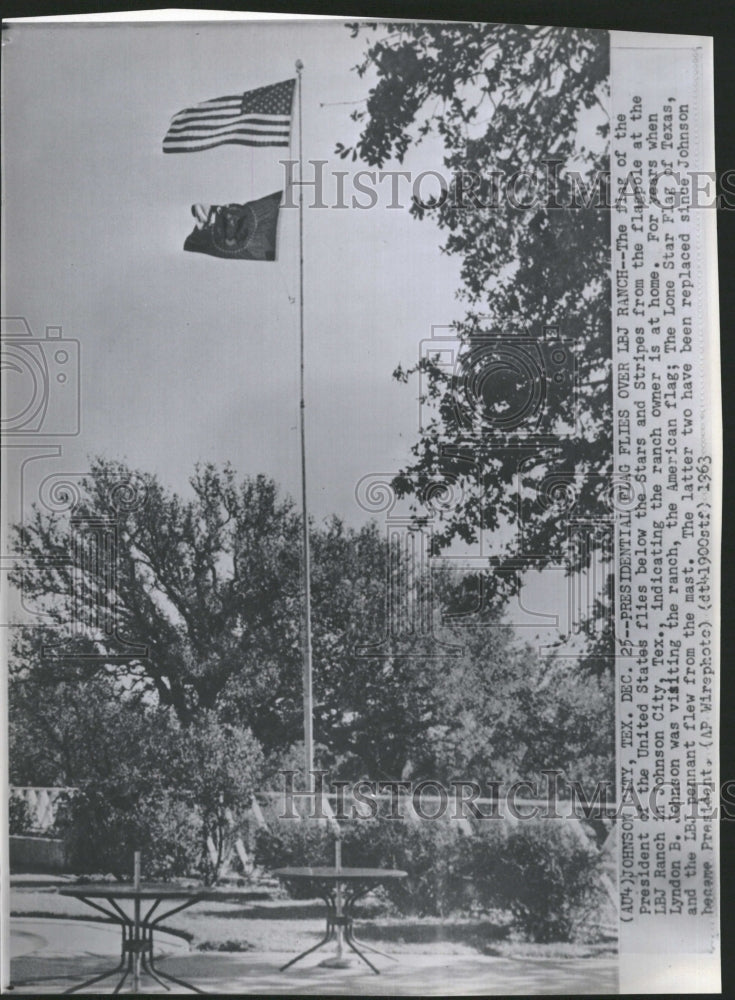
{"type": "Point", "coordinates": [339, 961]}
{"type": "Point", "coordinates": [308, 693]}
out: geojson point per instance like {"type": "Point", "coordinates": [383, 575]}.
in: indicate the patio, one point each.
{"type": "Point", "coordinates": [50, 955]}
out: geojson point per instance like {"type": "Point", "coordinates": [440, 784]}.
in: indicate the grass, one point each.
{"type": "Point", "coordinates": [238, 922]}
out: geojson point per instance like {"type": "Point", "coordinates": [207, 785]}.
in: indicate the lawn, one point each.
{"type": "Point", "coordinates": [261, 918]}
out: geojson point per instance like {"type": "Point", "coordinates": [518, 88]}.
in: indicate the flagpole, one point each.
{"type": "Point", "coordinates": [308, 692]}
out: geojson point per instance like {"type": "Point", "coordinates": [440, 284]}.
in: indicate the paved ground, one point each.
{"type": "Point", "coordinates": [48, 958]}
{"type": "Point", "coordinates": [58, 938]}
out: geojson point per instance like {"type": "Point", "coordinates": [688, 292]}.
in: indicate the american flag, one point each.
{"type": "Point", "coordinates": [260, 117]}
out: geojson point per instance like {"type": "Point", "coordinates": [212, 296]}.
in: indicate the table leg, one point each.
{"type": "Point", "coordinates": [348, 920]}
{"type": "Point", "coordinates": [125, 974]}
{"type": "Point", "coordinates": [351, 944]}
{"type": "Point", "coordinates": [362, 944]}
{"type": "Point", "coordinates": [155, 971]}
{"type": "Point", "coordinates": [115, 918]}
{"type": "Point", "coordinates": [96, 979]}
{"type": "Point", "coordinates": [328, 935]}
{"type": "Point", "coordinates": [149, 971]}
{"type": "Point", "coordinates": [136, 941]}
{"type": "Point", "coordinates": [340, 926]}
{"type": "Point", "coordinates": [369, 947]}
{"type": "Point", "coordinates": [325, 940]}
{"type": "Point", "coordinates": [148, 965]}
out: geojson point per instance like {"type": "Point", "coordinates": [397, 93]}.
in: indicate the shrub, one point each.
{"type": "Point", "coordinates": [294, 843]}
{"type": "Point", "coordinates": [102, 833]}
{"type": "Point", "coordinates": [20, 820]}
{"type": "Point", "coordinates": [164, 791]}
{"type": "Point", "coordinates": [428, 852]}
{"type": "Point", "coordinates": [538, 871]}
{"type": "Point", "coordinates": [218, 770]}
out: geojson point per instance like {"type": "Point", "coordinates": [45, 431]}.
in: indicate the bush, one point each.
{"type": "Point", "coordinates": [428, 852]}
{"type": "Point", "coordinates": [218, 771]}
{"type": "Point", "coordinates": [294, 843]}
{"type": "Point", "coordinates": [20, 820]}
{"type": "Point", "coordinates": [538, 871]}
{"type": "Point", "coordinates": [102, 834]}
{"type": "Point", "coordinates": [164, 791]}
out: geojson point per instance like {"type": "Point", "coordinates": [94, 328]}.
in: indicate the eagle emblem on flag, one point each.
{"type": "Point", "coordinates": [242, 232]}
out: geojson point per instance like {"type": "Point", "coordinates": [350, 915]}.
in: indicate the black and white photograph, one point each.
{"type": "Point", "coordinates": [361, 484]}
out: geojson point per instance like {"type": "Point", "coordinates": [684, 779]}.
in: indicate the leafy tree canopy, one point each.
{"type": "Point", "coordinates": [209, 588]}
{"type": "Point", "coordinates": [522, 420]}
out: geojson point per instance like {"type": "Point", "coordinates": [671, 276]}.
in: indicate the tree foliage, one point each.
{"type": "Point", "coordinates": [521, 113]}
{"type": "Point", "coordinates": [202, 592]}
{"type": "Point", "coordinates": [142, 781]}
{"type": "Point", "coordinates": [210, 589]}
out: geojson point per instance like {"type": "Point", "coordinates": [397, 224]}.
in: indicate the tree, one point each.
{"type": "Point", "coordinates": [523, 419]}
{"type": "Point", "coordinates": [142, 782]}
{"type": "Point", "coordinates": [65, 733]}
{"type": "Point", "coordinates": [210, 588]}
{"type": "Point", "coordinates": [510, 714]}
{"type": "Point", "coordinates": [175, 598]}
{"type": "Point", "coordinates": [503, 710]}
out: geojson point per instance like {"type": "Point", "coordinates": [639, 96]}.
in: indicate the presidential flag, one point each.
{"type": "Point", "coordinates": [259, 117]}
{"type": "Point", "coordinates": [243, 232]}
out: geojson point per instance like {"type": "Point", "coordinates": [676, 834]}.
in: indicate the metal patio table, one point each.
{"type": "Point", "coordinates": [137, 931]}
{"type": "Point", "coordinates": [340, 888]}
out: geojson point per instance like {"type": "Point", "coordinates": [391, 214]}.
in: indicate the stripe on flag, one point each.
{"type": "Point", "coordinates": [260, 117]}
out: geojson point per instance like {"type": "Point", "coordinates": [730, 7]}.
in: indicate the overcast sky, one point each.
{"type": "Point", "coordinates": [186, 357]}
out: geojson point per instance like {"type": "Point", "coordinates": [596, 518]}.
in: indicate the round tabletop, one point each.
{"type": "Point", "coordinates": [126, 890]}
{"type": "Point", "coordinates": [340, 874]}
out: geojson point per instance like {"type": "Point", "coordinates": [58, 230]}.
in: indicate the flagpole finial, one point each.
{"type": "Point", "coordinates": [299, 65]}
